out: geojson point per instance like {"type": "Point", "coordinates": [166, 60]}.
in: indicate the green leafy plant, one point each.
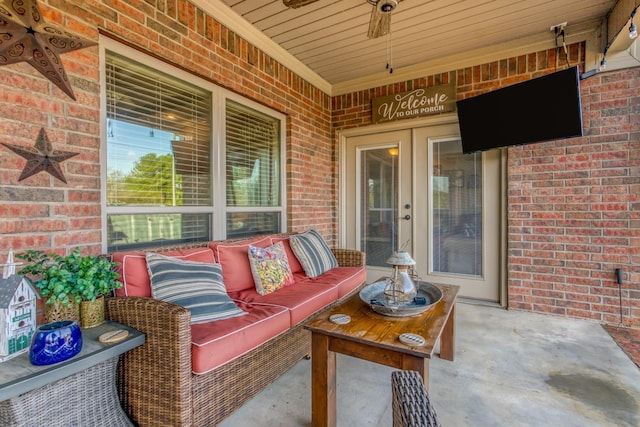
{"type": "Point", "coordinates": [70, 278]}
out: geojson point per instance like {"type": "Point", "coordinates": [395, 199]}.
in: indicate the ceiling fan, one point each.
{"type": "Point", "coordinates": [380, 22]}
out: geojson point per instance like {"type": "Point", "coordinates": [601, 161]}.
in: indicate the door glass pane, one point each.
{"type": "Point", "coordinates": [456, 210]}
{"type": "Point", "coordinates": [378, 190]}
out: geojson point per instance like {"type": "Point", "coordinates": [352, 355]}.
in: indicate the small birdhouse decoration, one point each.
{"type": "Point", "coordinates": [17, 311]}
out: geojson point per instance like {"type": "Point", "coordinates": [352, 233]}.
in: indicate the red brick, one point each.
{"type": "Point", "coordinates": [27, 226]}
{"type": "Point", "coordinates": [584, 314]}
{"type": "Point", "coordinates": [549, 309]}
{"type": "Point", "coordinates": [19, 210]}
{"type": "Point", "coordinates": [573, 304]}
{"type": "Point", "coordinates": [20, 243]}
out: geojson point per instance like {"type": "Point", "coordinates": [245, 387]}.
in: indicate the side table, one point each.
{"type": "Point", "coordinates": [78, 391]}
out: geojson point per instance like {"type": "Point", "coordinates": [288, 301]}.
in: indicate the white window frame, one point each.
{"type": "Point", "coordinates": [219, 97]}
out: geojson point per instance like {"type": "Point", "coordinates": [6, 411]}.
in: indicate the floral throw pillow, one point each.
{"type": "Point", "coordinates": [270, 268]}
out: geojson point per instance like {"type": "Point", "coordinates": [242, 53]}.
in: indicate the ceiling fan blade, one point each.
{"type": "Point", "coordinates": [379, 24]}
{"type": "Point", "coordinates": [294, 4]}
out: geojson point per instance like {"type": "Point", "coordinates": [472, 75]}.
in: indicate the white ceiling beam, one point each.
{"type": "Point", "coordinates": [618, 22]}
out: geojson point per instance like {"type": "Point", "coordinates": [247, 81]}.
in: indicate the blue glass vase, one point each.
{"type": "Point", "coordinates": [55, 342]}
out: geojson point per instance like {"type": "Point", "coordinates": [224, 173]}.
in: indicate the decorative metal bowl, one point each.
{"type": "Point", "coordinates": [373, 295]}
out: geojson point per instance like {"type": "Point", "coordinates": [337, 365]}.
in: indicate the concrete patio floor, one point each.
{"type": "Point", "coordinates": [511, 368]}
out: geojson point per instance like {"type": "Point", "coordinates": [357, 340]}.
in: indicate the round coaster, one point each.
{"type": "Point", "coordinates": [411, 339]}
{"type": "Point", "coordinates": [113, 336]}
{"type": "Point", "coordinates": [340, 319]}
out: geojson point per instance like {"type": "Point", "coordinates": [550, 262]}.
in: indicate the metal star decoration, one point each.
{"type": "Point", "coordinates": [41, 157]}
{"type": "Point", "coordinates": [24, 36]}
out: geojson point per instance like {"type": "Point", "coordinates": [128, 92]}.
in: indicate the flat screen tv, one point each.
{"type": "Point", "coordinates": [537, 110]}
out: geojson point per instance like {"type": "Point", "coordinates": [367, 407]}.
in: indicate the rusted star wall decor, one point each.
{"type": "Point", "coordinates": [41, 157]}
{"type": "Point", "coordinates": [24, 36]}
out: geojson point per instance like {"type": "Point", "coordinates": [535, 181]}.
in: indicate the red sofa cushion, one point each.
{"type": "Point", "coordinates": [302, 300]}
{"type": "Point", "coordinates": [234, 259]}
{"type": "Point", "coordinates": [294, 262]}
{"type": "Point", "coordinates": [132, 267]}
{"type": "Point", "coordinates": [345, 279]}
{"type": "Point", "coordinates": [215, 343]}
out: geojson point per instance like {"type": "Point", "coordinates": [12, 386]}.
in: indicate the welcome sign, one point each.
{"type": "Point", "coordinates": [418, 102]}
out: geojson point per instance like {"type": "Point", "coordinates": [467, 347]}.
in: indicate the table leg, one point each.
{"type": "Point", "coordinates": [323, 382]}
{"type": "Point", "coordinates": [419, 364]}
{"type": "Point", "coordinates": [448, 337]}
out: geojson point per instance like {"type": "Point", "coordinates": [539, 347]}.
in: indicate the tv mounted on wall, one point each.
{"type": "Point", "coordinates": [537, 110]}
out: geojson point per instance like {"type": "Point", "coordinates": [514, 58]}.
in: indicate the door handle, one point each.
{"type": "Point", "coordinates": [407, 217]}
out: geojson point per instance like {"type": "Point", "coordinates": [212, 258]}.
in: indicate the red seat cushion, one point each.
{"type": "Point", "coordinates": [302, 300]}
{"type": "Point", "coordinates": [215, 343]}
{"type": "Point", "coordinates": [345, 279]}
{"type": "Point", "coordinates": [234, 259]}
{"type": "Point", "coordinates": [134, 275]}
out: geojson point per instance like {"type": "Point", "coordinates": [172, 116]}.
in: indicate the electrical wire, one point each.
{"type": "Point", "coordinates": [564, 45]}
{"type": "Point", "coordinates": [559, 32]}
{"type": "Point", "coordinates": [389, 53]}
{"type": "Point", "coordinates": [555, 65]}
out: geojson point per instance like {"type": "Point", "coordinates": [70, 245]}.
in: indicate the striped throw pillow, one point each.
{"type": "Point", "coordinates": [313, 253]}
{"type": "Point", "coordinates": [197, 286]}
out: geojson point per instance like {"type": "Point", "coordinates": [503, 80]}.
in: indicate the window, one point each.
{"type": "Point", "coordinates": [161, 130]}
{"type": "Point", "coordinates": [253, 171]}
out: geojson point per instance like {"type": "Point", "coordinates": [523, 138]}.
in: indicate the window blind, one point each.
{"type": "Point", "coordinates": [252, 157]}
{"type": "Point", "coordinates": [158, 138]}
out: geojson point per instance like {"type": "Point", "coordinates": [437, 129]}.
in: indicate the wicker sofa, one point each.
{"type": "Point", "coordinates": [161, 383]}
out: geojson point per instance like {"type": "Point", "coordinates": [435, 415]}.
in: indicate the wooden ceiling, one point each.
{"type": "Point", "coordinates": [330, 36]}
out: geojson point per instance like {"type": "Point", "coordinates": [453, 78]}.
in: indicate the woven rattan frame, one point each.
{"type": "Point", "coordinates": [155, 381]}
{"type": "Point", "coordinates": [82, 399]}
{"type": "Point", "coordinates": [217, 394]}
{"type": "Point", "coordinates": [411, 405]}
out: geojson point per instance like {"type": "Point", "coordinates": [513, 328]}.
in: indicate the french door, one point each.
{"type": "Point", "coordinates": [379, 197]}
{"type": "Point", "coordinates": [413, 190]}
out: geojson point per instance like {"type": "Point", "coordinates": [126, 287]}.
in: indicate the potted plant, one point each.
{"type": "Point", "coordinates": [72, 280]}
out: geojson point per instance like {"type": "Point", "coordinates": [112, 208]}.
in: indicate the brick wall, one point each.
{"type": "Point", "coordinates": [573, 205]}
{"type": "Point", "coordinates": [353, 110]}
{"type": "Point", "coordinates": [43, 213]}
{"type": "Point", "coordinates": [574, 210]}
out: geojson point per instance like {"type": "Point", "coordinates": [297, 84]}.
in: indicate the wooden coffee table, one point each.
{"type": "Point", "coordinates": [374, 337]}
